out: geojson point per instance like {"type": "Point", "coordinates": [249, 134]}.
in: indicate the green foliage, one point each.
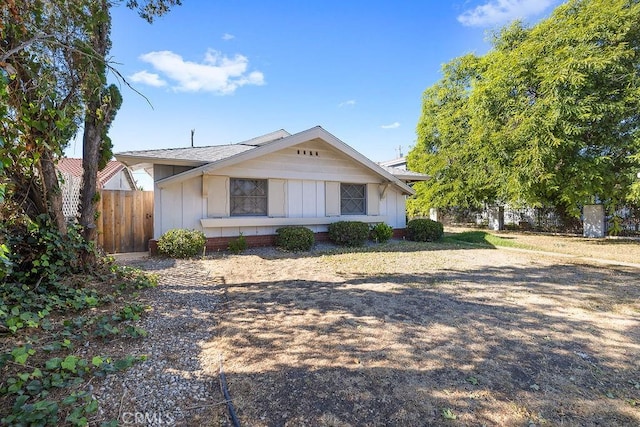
{"type": "Point", "coordinates": [549, 117]}
{"type": "Point", "coordinates": [348, 233]}
{"type": "Point", "coordinates": [381, 232]}
{"type": "Point", "coordinates": [295, 238]}
{"type": "Point", "coordinates": [181, 243]}
{"type": "Point", "coordinates": [238, 245]}
{"type": "Point", "coordinates": [615, 225]}
{"type": "Point", "coordinates": [38, 252]}
{"type": "Point", "coordinates": [32, 405]}
{"type": "Point", "coordinates": [45, 361]}
{"type": "Point", "coordinates": [424, 230]}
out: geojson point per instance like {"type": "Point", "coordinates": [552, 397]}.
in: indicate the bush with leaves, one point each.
{"type": "Point", "coordinates": [348, 233]}
{"type": "Point", "coordinates": [181, 243]}
{"type": "Point", "coordinates": [381, 232]}
{"type": "Point", "coordinates": [43, 378]}
{"type": "Point", "coordinates": [37, 253]}
{"type": "Point", "coordinates": [238, 245]}
{"type": "Point", "coordinates": [424, 230]}
{"type": "Point", "coordinates": [295, 238]}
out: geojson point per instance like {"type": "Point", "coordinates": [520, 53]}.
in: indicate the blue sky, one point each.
{"type": "Point", "coordinates": [236, 69]}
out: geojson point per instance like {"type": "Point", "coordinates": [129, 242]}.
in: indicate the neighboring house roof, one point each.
{"type": "Point", "coordinates": [207, 159]}
{"type": "Point", "coordinates": [405, 175]}
{"type": "Point", "coordinates": [398, 167]}
{"type": "Point", "coordinates": [395, 163]}
{"type": "Point", "coordinates": [74, 168]}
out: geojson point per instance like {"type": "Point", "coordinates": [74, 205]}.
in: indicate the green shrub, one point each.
{"type": "Point", "coordinates": [36, 253]}
{"type": "Point", "coordinates": [181, 243]}
{"type": "Point", "coordinates": [295, 238]}
{"type": "Point", "coordinates": [424, 230]}
{"type": "Point", "coordinates": [348, 233]}
{"type": "Point", "coordinates": [381, 232]}
{"type": "Point", "coordinates": [238, 245]}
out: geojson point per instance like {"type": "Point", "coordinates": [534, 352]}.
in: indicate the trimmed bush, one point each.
{"type": "Point", "coordinates": [295, 238]}
{"type": "Point", "coordinates": [348, 233]}
{"type": "Point", "coordinates": [424, 230]}
{"type": "Point", "coordinates": [238, 245]}
{"type": "Point", "coordinates": [381, 232]}
{"type": "Point", "coordinates": [181, 243]}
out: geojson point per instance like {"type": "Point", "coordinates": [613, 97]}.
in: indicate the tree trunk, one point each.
{"type": "Point", "coordinates": [90, 155]}
{"type": "Point", "coordinates": [53, 194]}
{"type": "Point", "coordinates": [94, 122]}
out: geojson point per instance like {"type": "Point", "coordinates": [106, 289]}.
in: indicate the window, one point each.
{"type": "Point", "coordinates": [353, 200]}
{"type": "Point", "coordinates": [248, 197]}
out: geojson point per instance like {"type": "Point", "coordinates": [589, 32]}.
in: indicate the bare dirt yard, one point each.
{"type": "Point", "coordinates": [397, 334]}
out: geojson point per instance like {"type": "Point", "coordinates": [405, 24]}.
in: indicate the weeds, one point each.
{"type": "Point", "coordinates": [43, 324]}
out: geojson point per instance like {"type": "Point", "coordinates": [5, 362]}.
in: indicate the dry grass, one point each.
{"type": "Point", "coordinates": [416, 334]}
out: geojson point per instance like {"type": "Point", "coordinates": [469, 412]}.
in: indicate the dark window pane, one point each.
{"type": "Point", "coordinates": [248, 197]}
{"type": "Point", "coordinates": [353, 199]}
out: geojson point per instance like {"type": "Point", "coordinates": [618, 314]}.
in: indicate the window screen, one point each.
{"type": "Point", "coordinates": [353, 200]}
{"type": "Point", "coordinates": [248, 197]}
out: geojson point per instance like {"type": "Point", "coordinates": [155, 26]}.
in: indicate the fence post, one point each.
{"type": "Point", "coordinates": [496, 218]}
{"type": "Point", "coordinates": [593, 221]}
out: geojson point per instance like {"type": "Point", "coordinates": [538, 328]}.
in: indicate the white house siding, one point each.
{"type": "Point", "coordinates": [301, 186]}
{"type": "Point", "coordinates": [118, 182]}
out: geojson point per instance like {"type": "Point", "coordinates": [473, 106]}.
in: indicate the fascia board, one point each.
{"type": "Point", "coordinates": [298, 138]}
{"type": "Point", "coordinates": [132, 161]}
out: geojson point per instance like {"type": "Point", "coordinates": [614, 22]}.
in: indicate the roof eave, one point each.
{"type": "Point", "coordinates": [132, 161]}
{"type": "Point", "coordinates": [276, 145]}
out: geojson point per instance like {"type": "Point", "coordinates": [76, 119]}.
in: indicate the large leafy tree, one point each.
{"type": "Point", "coordinates": [41, 104]}
{"type": "Point", "coordinates": [53, 77]}
{"type": "Point", "coordinates": [552, 114]}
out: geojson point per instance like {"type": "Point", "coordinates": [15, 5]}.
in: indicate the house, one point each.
{"type": "Point", "coordinates": [310, 178]}
{"type": "Point", "coordinates": [115, 176]}
{"type": "Point", "coordinates": [399, 163]}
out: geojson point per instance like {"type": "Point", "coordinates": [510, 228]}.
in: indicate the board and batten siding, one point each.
{"type": "Point", "coordinates": [302, 184]}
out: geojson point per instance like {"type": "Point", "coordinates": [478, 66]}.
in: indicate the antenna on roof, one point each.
{"type": "Point", "coordinates": [192, 132]}
{"type": "Point", "coordinates": [399, 151]}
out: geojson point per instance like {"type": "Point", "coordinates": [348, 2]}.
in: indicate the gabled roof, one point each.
{"type": "Point", "coordinates": [207, 159]}
{"type": "Point", "coordinates": [74, 168]}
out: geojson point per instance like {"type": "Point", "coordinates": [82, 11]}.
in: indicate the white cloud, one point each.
{"type": "Point", "coordinates": [393, 125]}
{"type": "Point", "coordinates": [496, 12]}
{"type": "Point", "coordinates": [227, 36]}
{"type": "Point", "coordinates": [217, 73]}
{"type": "Point", "coordinates": [349, 103]}
{"type": "Point", "coordinates": [147, 78]}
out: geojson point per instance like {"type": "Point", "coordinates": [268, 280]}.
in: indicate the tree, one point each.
{"type": "Point", "coordinates": [553, 113]}
{"type": "Point", "coordinates": [101, 101]}
{"type": "Point", "coordinates": [444, 148]}
{"type": "Point", "coordinates": [53, 65]}
{"type": "Point", "coordinates": [40, 105]}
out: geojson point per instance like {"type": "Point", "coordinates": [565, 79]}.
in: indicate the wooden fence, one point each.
{"type": "Point", "coordinates": [125, 223]}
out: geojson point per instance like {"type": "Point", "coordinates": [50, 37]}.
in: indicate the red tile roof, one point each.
{"type": "Point", "coordinates": [74, 168]}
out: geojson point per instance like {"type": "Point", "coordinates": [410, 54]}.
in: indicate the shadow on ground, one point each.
{"type": "Point", "coordinates": [546, 344]}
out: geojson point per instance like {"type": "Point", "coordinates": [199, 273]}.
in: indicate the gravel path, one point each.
{"type": "Point", "coordinates": [171, 387]}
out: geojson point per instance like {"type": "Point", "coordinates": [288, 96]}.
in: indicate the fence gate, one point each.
{"type": "Point", "coordinates": [125, 223]}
